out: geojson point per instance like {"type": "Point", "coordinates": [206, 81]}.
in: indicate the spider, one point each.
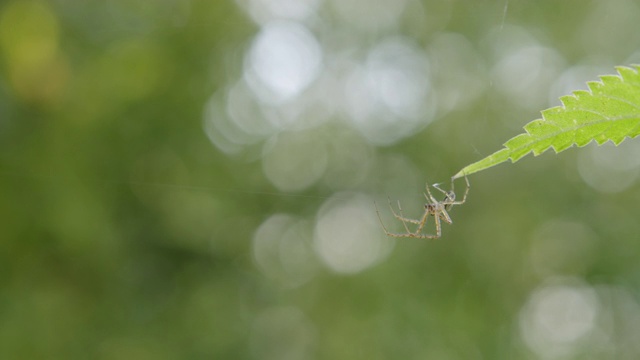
{"type": "Point", "coordinates": [439, 210]}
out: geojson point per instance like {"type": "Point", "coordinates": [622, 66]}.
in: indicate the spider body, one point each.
{"type": "Point", "coordinates": [437, 209]}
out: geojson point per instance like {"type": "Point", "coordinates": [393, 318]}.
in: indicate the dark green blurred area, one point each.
{"type": "Point", "coordinates": [158, 203]}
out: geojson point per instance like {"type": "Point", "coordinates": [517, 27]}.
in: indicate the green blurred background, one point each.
{"type": "Point", "coordinates": [196, 180]}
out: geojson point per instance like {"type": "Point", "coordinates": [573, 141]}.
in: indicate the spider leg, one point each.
{"type": "Point", "coordinates": [438, 227]}
{"type": "Point", "coordinates": [466, 191]}
{"type": "Point", "coordinates": [430, 198]}
{"type": "Point", "coordinates": [380, 219]}
{"type": "Point", "coordinates": [444, 215]}
{"type": "Point", "coordinates": [446, 194]}
{"type": "Point", "coordinates": [432, 209]}
{"type": "Point", "coordinates": [402, 218]}
{"type": "Point", "coordinates": [423, 221]}
{"type": "Point", "coordinates": [404, 221]}
{"type": "Point", "coordinates": [416, 234]}
{"type": "Point", "coordinates": [385, 228]}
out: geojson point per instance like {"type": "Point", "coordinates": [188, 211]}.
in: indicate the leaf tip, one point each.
{"type": "Point", "coordinates": [459, 174]}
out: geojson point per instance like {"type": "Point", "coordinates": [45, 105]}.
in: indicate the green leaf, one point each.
{"type": "Point", "coordinates": [609, 111]}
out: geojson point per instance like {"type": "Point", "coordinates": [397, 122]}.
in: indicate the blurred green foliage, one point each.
{"type": "Point", "coordinates": [156, 204]}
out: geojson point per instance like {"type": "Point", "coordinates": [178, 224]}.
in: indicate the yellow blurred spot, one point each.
{"type": "Point", "coordinates": [29, 40]}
